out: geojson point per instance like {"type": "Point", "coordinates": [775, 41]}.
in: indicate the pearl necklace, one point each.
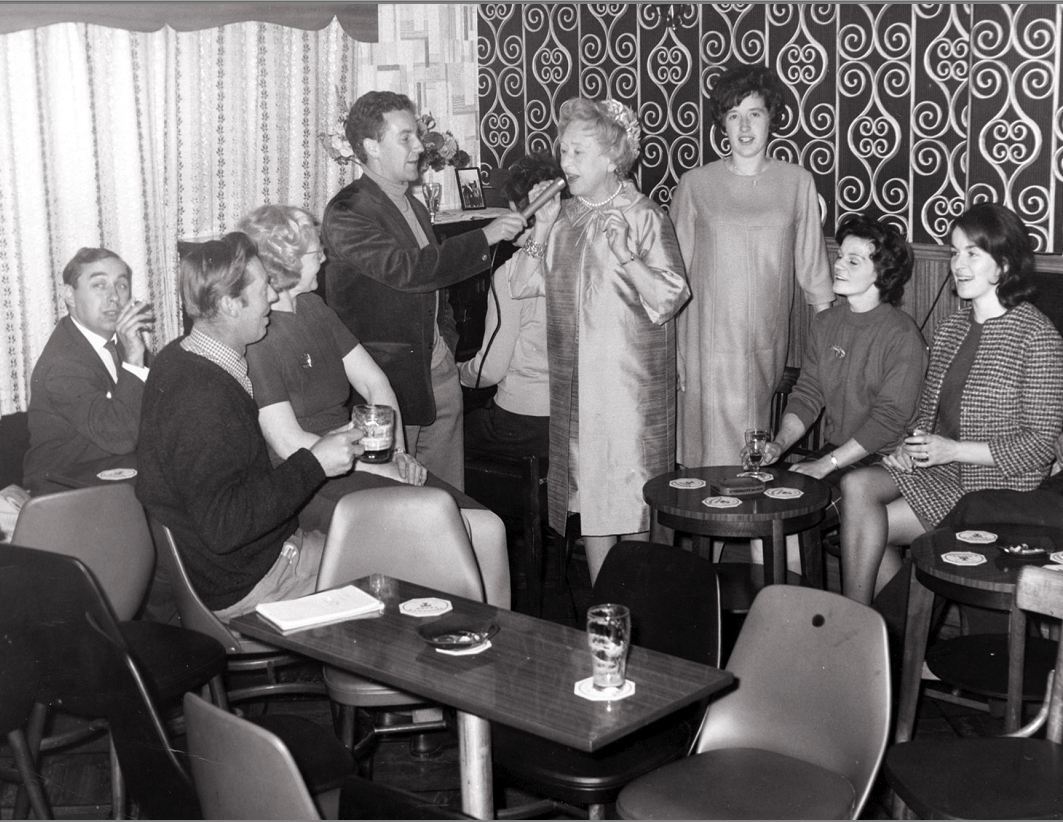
{"type": "Point", "coordinates": [606, 201]}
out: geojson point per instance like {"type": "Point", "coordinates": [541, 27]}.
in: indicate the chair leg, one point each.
{"type": "Point", "coordinates": [533, 561]}
{"type": "Point", "coordinates": [33, 736]}
{"type": "Point", "coordinates": [118, 794]}
{"type": "Point", "coordinates": [596, 811]}
{"type": "Point", "coordinates": [346, 725]}
{"type": "Point", "coordinates": [31, 781]}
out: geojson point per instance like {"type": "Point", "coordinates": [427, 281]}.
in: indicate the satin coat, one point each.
{"type": "Point", "coordinates": [611, 350]}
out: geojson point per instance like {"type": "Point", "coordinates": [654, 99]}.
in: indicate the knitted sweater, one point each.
{"type": "Point", "coordinates": [204, 471]}
{"type": "Point", "coordinates": [1012, 400]}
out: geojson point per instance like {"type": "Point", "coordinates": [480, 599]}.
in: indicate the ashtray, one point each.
{"type": "Point", "coordinates": [1024, 550]}
{"type": "Point", "coordinates": [450, 635]}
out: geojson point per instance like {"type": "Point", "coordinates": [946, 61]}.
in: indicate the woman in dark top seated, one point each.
{"type": "Point", "coordinates": [990, 410]}
{"type": "Point", "coordinates": [303, 371]}
{"type": "Point", "coordinates": [865, 359]}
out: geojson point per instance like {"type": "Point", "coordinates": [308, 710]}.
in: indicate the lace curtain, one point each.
{"type": "Point", "coordinates": [132, 140]}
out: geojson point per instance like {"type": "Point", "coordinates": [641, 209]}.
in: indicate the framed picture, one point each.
{"type": "Point", "coordinates": [472, 193]}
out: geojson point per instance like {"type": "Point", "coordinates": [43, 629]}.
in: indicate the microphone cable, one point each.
{"type": "Point", "coordinates": [937, 299]}
{"type": "Point", "coordinates": [498, 320]}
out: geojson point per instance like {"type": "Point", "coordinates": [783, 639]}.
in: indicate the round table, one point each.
{"type": "Point", "coordinates": [989, 585]}
{"type": "Point", "coordinates": [757, 516]}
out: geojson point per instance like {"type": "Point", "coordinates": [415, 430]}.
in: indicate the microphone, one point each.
{"type": "Point", "coordinates": [554, 188]}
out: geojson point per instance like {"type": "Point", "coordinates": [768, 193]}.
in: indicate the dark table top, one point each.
{"type": "Point", "coordinates": [687, 503]}
{"type": "Point", "coordinates": [524, 680]}
{"type": "Point", "coordinates": [999, 573]}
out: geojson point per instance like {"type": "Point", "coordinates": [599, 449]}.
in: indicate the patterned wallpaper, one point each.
{"type": "Point", "coordinates": [906, 110]}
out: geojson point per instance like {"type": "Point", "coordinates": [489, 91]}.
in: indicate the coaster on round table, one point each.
{"type": "Point", "coordinates": [425, 607]}
{"type": "Point", "coordinates": [784, 493]}
{"type": "Point", "coordinates": [585, 688]}
{"type": "Point", "coordinates": [976, 537]}
{"type": "Point", "coordinates": [1056, 557]}
{"type": "Point", "coordinates": [117, 474]}
{"type": "Point", "coordinates": [721, 502]}
{"type": "Point", "coordinates": [963, 558]}
{"type": "Point", "coordinates": [687, 483]}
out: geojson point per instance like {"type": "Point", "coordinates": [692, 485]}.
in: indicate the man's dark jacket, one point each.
{"type": "Point", "coordinates": [384, 287]}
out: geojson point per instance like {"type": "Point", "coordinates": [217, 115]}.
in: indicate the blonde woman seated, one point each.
{"type": "Point", "coordinates": [303, 371]}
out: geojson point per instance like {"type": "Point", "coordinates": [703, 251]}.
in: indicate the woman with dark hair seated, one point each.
{"type": "Point", "coordinates": [516, 422]}
{"type": "Point", "coordinates": [865, 359]}
{"type": "Point", "coordinates": [990, 410]}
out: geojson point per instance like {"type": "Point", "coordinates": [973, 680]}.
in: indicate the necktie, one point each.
{"type": "Point", "coordinates": [112, 346]}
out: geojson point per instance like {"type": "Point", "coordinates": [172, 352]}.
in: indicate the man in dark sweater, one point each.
{"type": "Point", "coordinates": [204, 465]}
{"type": "Point", "coordinates": [386, 276]}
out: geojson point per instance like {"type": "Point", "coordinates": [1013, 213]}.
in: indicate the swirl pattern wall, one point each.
{"type": "Point", "coordinates": [910, 111]}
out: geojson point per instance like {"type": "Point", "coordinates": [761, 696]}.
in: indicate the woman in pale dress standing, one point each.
{"type": "Point", "coordinates": [748, 226]}
{"type": "Point", "coordinates": [609, 266]}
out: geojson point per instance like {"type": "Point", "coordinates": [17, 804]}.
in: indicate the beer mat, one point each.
{"type": "Point", "coordinates": [1057, 557]}
{"type": "Point", "coordinates": [976, 537]}
{"type": "Point", "coordinates": [763, 476]}
{"type": "Point", "coordinates": [585, 689]}
{"type": "Point", "coordinates": [687, 483]}
{"type": "Point", "coordinates": [472, 651]}
{"type": "Point", "coordinates": [425, 607]}
{"type": "Point", "coordinates": [784, 493]}
{"type": "Point", "coordinates": [117, 474]}
{"type": "Point", "coordinates": [721, 502]}
{"type": "Point", "coordinates": [963, 558]}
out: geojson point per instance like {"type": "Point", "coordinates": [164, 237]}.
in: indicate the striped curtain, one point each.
{"type": "Point", "coordinates": [134, 140]}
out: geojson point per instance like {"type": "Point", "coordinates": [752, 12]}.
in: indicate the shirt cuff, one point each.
{"type": "Point", "coordinates": [139, 371]}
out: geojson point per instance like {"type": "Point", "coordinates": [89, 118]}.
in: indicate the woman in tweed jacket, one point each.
{"type": "Point", "coordinates": [990, 411]}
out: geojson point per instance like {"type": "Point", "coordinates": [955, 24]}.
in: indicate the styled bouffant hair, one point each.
{"type": "Point", "coordinates": [212, 270]}
{"type": "Point", "coordinates": [999, 232]}
{"type": "Point", "coordinates": [366, 118]}
{"type": "Point", "coordinates": [737, 83]}
{"type": "Point", "coordinates": [525, 173]}
{"type": "Point", "coordinates": [282, 235]}
{"type": "Point", "coordinates": [86, 256]}
{"type": "Point", "coordinates": [612, 136]}
{"type": "Point", "coordinates": [891, 253]}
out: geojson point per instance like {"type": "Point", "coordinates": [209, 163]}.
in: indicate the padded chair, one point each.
{"type": "Point", "coordinates": [104, 526]}
{"type": "Point", "coordinates": [53, 605]}
{"type": "Point", "coordinates": [675, 609]}
{"type": "Point", "coordinates": [243, 655]}
{"type": "Point", "coordinates": [803, 733]}
{"type": "Point", "coordinates": [1007, 777]}
{"type": "Point", "coordinates": [243, 771]}
{"type": "Point", "coordinates": [515, 489]}
{"type": "Point", "coordinates": [412, 533]}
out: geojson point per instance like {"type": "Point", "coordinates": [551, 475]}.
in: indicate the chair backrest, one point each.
{"type": "Point", "coordinates": [813, 682]}
{"type": "Point", "coordinates": [411, 533]}
{"type": "Point", "coordinates": [1041, 591]}
{"type": "Point", "coordinates": [194, 612]}
{"type": "Point", "coordinates": [53, 605]}
{"type": "Point", "coordinates": [242, 771]}
{"type": "Point", "coordinates": [673, 595]}
{"type": "Point", "coordinates": [104, 526]}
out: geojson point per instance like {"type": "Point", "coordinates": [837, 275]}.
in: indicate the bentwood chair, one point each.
{"type": "Point", "coordinates": [803, 733]}
{"type": "Point", "coordinates": [243, 655]}
{"type": "Point", "coordinates": [1007, 777]}
{"type": "Point", "coordinates": [411, 533]}
{"type": "Point", "coordinates": [105, 527]}
{"type": "Point", "coordinates": [53, 605]}
{"type": "Point", "coordinates": [673, 596]}
{"type": "Point", "coordinates": [244, 771]}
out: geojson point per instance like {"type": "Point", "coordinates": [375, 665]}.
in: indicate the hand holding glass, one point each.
{"type": "Point", "coordinates": [377, 423]}
{"type": "Point", "coordinates": [609, 635]}
{"type": "Point", "coordinates": [753, 453]}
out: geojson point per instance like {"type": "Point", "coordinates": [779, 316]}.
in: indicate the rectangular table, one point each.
{"type": "Point", "coordinates": [524, 680]}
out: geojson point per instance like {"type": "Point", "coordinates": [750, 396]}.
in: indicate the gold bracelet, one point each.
{"type": "Point", "coordinates": [534, 249]}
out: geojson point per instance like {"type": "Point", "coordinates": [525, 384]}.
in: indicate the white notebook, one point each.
{"type": "Point", "coordinates": [322, 608]}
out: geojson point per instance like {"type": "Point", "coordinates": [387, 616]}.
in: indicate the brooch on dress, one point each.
{"type": "Point", "coordinates": [839, 352]}
{"type": "Point", "coordinates": [307, 362]}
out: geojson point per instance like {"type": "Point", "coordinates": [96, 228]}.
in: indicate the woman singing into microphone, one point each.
{"type": "Point", "coordinates": [609, 266]}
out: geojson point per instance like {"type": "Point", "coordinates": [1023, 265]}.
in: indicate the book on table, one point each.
{"type": "Point", "coordinates": [322, 608]}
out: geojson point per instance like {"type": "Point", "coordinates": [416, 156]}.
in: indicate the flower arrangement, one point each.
{"type": "Point", "coordinates": [440, 147]}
